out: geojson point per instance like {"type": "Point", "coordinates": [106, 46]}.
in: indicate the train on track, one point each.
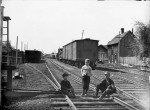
{"type": "Point", "coordinates": [33, 56]}
{"type": "Point", "coordinates": [75, 52]}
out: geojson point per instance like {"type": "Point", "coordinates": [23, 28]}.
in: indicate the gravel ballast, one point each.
{"type": "Point", "coordinates": [31, 98]}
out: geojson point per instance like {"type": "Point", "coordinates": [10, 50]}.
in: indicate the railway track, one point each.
{"type": "Point", "coordinates": [67, 103]}
{"type": "Point", "coordinates": [129, 92]}
{"type": "Point", "coordinates": [139, 76]}
{"type": "Point", "coordinates": [86, 103]}
{"type": "Point", "coordinates": [89, 100]}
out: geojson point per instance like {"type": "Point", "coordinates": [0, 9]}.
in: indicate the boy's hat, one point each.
{"type": "Point", "coordinates": [65, 74]}
{"type": "Point", "coordinates": [107, 73]}
{"type": "Point", "coordinates": [87, 60]}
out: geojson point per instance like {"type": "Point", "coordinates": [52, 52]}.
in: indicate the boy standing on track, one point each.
{"type": "Point", "coordinates": [107, 87]}
{"type": "Point", "coordinates": [66, 87]}
{"type": "Point", "coordinates": [86, 72]}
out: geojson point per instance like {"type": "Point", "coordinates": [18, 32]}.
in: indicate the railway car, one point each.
{"type": "Point", "coordinates": [77, 51]}
{"type": "Point", "coordinates": [59, 54]}
{"type": "Point", "coordinates": [33, 56]}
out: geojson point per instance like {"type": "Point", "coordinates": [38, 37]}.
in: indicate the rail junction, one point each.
{"type": "Point", "coordinates": [127, 97]}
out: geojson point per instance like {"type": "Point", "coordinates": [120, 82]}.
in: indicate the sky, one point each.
{"type": "Point", "coordinates": [48, 25]}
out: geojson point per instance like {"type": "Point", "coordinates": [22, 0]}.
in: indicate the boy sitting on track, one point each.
{"type": "Point", "coordinates": [66, 87]}
{"type": "Point", "coordinates": [106, 86]}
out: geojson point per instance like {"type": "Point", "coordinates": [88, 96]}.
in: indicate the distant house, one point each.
{"type": "Point", "coordinates": [121, 47]}
{"type": "Point", "coordinates": [103, 53]}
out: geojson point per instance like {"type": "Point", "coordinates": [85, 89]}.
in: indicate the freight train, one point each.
{"type": "Point", "coordinates": [75, 52]}
{"type": "Point", "coordinates": [33, 56]}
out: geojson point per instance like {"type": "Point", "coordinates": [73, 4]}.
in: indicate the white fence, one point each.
{"type": "Point", "coordinates": [132, 60]}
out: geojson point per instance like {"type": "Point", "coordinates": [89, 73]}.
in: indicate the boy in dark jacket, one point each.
{"type": "Point", "coordinates": [107, 87]}
{"type": "Point", "coordinates": [66, 87]}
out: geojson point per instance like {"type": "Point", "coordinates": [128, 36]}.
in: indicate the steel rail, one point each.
{"type": "Point", "coordinates": [57, 88]}
{"type": "Point", "coordinates": [131, 96]}
{"type": "Point", "coordinates": [73, 107]}
{"type": "Point", "coordinates": [123, 103]}
{"type": "Point", "coordinates": [78, 80]}
{"type": "Point", "coordinates": [44, 77]}
{"type": "Point", "coordinates": [127, 94]}
{"type": "Point", "coordinates": [29, 90]}
{"type": "Point", "coordinates": [132, 81]}
{"type": "Point", "coordinates": [120, 70]}
{"type": "Point", "coordinates": [124, 92]}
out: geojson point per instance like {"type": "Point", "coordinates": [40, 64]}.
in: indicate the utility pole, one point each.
{"type": "Point", "coordinates": [82, 34]}
{"type": "Point", "coordinates": [21, 46]}
{"type": "Point", "coordinates": [27, 45]}
{"type": "Point", "coordinates": [1, 33]}
{"type": "Point", "coordinates": [16, 50]}
{"type": "Point", "coordinates": [149, 91]}
{"type": "Point", "coordinates": [24, 47]}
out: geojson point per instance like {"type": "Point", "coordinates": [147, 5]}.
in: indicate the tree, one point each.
{"type": "Point", "coordinates": [143, 35]}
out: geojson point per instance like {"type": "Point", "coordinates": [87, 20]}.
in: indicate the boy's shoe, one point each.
{"type": "Point", "coordinates": [95, 96]}
{"type": "Point", "coordinates": [85, 94]}
{"type": "Point", "coordinates": [107, 96]}
{"type": "Point", "coordinates": [73, 97]}
{"type": "Point", "coordinates": [82, 94]}
{"type": "Point", "coordinates": [100, 98]}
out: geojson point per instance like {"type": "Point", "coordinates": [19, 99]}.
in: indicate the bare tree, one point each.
{"type": "Point", "coordinates": [143, 35]}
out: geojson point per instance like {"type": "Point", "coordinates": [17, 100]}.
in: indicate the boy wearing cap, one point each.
{"type": "Point", "coordinates": [107, 86]}
{"type": "Point", "coordinates": [66, 87]}
{"type": "Point", "coordinates": [86, 72]}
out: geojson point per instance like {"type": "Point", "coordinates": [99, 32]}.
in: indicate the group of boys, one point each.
{"type": "Point", "coordinates": [107, 86]}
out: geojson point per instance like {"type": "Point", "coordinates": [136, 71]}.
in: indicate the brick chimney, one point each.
{"type": "Point", "coordinates": [122, 30]}
{"type": "Point", "coordinates": [132, 30]}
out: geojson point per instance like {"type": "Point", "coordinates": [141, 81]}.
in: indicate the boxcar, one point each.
{"type": "Point", "coordinates": [33, 56]}
{"type": "Point", "coordinates": [59, 55]}
{"type": "Point", "coordinates": [77, 51]}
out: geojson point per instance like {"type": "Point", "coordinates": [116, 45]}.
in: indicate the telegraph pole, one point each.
{"type": "Point", "coordinates": [21, 46]}
{"type": "Point", "coordinates": [82, 34]}
{"type": "Point", "coordinates": [24, 47]}
{"type": "Point", "coordinates": [16, 50]}
{"type": "Point", "coordinates": [27, 45]}
{"type": "Point", "coordinates": [1, 33]}
{"type": "Point", "coordinates": [149, 89]}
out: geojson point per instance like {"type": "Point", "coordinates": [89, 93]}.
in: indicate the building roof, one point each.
{"type": "Point", "coordinates": [81, 40]}
{"type": "Point", "coordinates": [105, 46]}
{"type": "Point", "coordinates": [6, 18]}
{"type": "Point", "coordinates": [117, 38]}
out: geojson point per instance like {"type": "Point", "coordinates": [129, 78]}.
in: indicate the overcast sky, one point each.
{"type": "Point", "coordinates": [48, 25]}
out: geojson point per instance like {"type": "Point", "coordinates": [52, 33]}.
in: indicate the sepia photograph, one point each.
{"type": "Point", "coordinates": [75, 54]}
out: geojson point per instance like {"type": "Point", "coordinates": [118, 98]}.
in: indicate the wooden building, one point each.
{"type": "Point", "coordinates": [123, 45]}
{"type": "Point", "coordinates": [103, 53]}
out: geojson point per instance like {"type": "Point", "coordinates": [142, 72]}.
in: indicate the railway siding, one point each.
{"type": "Point", "coordinates": [128, 83]}
{"type": "Point", "coordinates": [32, 80]}
{"type": "Point", "coordinates": [88, 101]}
{"type": "Point", "coordinates": [31, 93]}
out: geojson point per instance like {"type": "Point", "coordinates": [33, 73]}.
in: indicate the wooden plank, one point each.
{"type": "Point", "coordinates": [84, 103]}
{"type": "Point", "coordinates": [101, 108]}
{"type": "Point", "coordinates": [133, 89]}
